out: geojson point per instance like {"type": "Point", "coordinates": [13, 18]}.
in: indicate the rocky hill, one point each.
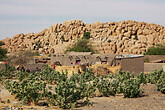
{"type": "Point", "coordinates": [124, 37]}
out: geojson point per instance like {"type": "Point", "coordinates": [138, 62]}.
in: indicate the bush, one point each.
{"type": "Point", "coordinates": [146, 60]}
{"type": "Point", "coordinates": [35, 54]}
{"type": "Point", "coordinates": [136, 37]}
{"type": "Point", "coordinates": [132, 88]}
{"type": "Point", "coordinates": [86, 35]}
{"type": "Point", "coordinates": [3, 53]}
{"type": "Point", "coordinates": [2, 43]}
{"type": "Point", "coordinates": [105, 87]}
{"type": "Point", "coordinates": [56, 31]}
{"type": "Point", "coordinates": [37, 45]}
{"type": "Point", "coordinates": [47, 43]}
{"type": "Point", "coordinates": [62, 38]}
{"type": "Point", "coordinates": [161, 83]}
{"type": "Point", "coordinates": [158, 50]}
{"type": "Point", "coordinates": [28, 91]}
{"type": "Point", "coordinates": [57, 88]}
{"type": "Point", "coordinates": [80, 46]}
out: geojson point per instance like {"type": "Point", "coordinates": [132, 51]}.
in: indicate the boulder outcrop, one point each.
{"type": "Point", "coordinates": [124, 37]}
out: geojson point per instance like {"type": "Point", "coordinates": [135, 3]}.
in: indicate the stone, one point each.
{"type": "Point", "coordinates": [126, 37]}
{"type": "Point", "coordinates": [127, 34]}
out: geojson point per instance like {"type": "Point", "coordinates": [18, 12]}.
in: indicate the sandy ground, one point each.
{"type": "Point", "coordinates": [152, 100]}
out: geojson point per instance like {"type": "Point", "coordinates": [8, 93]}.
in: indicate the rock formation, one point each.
{"type": "Point", "coordinates": [124, 37]}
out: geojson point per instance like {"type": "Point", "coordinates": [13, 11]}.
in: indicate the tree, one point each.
{"type": "Point", "coordinates": [2, 43]}
{"type": "Point", "coordinates": [86, 35]}
{"type": "Point", "coordinates": [157, 50]}
{"type": "Point", "coordinates": [3, 53]}
{"type": "Point", "coordinates": [81, 45]}
{"type": "Point", "coordinates": [21, 58]}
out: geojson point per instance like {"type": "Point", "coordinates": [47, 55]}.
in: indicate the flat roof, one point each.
{"type": "Point", "coordinates": [128, 56]}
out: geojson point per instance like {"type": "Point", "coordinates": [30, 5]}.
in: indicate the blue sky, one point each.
{"type": "Point", "coordinates": [27, 16]}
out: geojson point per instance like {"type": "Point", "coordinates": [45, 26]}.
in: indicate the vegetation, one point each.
{"type": "Point", "coordinates": [62, 38]}
{"type": "Point", "coordinates": [86, 35]}
{"type": "Point", "coordinates": [34, 53]}
{"type": "Point", "coordinates": [81, 45]}
{"type": "Point", "coordinates": [21, 58]}
{"type": "Point", "coordinates": [2, 43]}
{"type": "Point", "coordinates": [8, 73]}
{"type": "Point", "coordinates": [146, 60]}
{"type": "Point", "coordinates": [47, 43]}
{"type": "Point", "coordinates": [3, 53]}
{"type": "Point", "coordinates": [158, 50]}
{"type": "Point", "coordinates": [156, 77]}
{"type": "Point", "coordinates": [58, 89]}
{"type": "Point", "coordinates": [37, 45]}
{"type": "Point", "coordinates": [109, 41]}
{"type": "Point", "coordinates": [56, 31]}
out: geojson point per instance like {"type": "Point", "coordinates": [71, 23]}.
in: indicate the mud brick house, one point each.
{"type": "Point", "coordinates": [87, 58]}
{"type": "Point", "coordinates": [131, 63]}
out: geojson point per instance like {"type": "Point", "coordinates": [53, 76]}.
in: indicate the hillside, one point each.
{"type": "Point", "coordinates": [124, 37]}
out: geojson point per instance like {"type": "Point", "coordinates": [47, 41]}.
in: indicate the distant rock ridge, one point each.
{"type": "Point", "coordinates": [124, 37]}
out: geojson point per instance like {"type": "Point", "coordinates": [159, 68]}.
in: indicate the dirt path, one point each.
{"type": "Point", "coordinates": [153, 100]}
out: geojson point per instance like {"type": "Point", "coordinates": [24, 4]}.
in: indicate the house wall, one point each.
{"type": "Point", "coordinates": [135, 65]}
{"type": "Point", "coordinates": [70, 60]}
{"type": "Point", "coordinates": [151, 67]}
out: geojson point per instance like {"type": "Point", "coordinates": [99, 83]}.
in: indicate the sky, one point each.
{"type": "Point", "coordinates": [32, 16]}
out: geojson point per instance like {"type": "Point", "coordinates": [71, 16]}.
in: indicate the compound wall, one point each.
{"type": "Point", "coordinates": [151, 67]}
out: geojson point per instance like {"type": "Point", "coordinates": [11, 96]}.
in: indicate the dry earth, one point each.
{"type": "Point", "coordinates": [152, 100]}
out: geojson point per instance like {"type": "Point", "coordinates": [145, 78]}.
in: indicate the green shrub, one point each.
{"type": "Point", "coordinates": [56, 31]}
{"type": "Point", "coordinates": [58, 89]}
{"type": "Point", "coordinates": [3, 53]}
{"type": "Point", "coordinates": [158, 78]}
{"type": "Point", "coordinates": [153, 77]}
{"type": "Point", "coordinates": [132, 88]}
{"type": "Point", "coordinates": [37, 45]}
{"type": "Point", "coordinates": [47, 43]}
{"type": "Point", "coordinates": [109, 41]}
{"type": "Point", "coordinates": [136, 37]}
{"type": "Point", "coordinates": [161, 83]}
{"type": "Point", "coordinates": [142, 78]}
{"type": "Point", "coordinates": [62, 38]}
{"type": "Point", "coordinates": [35, 53]}
{"type": "Point", "coordinates": [158, 50]}
{"type": "Point", "coordinates": [27, 91]}
{"type": "Point", "coordinates": [80, 46]}
{"type": "Point", "coordinates": [2, 43]}
{"type": "Point", "coordinates": [7, 73]}
{"type": "Point", "coordinates": [49, 55]}
{"type": "Point", "coordinates": [146, 60]}
{"type": "Point", "coordinates": [105, 87]}
{"type": "Point", "coordinates": [86, 35]}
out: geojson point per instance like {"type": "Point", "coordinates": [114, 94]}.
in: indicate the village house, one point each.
{"type": "Point", "coordinates": [131, 63]}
